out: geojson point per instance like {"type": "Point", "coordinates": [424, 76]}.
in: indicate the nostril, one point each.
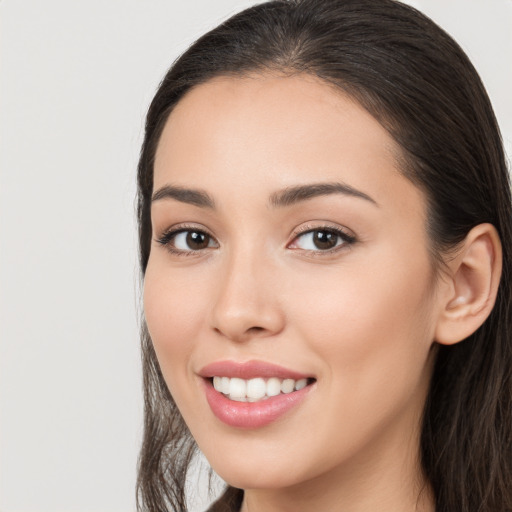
{"type": "Point", "coordinates": [255, 329]}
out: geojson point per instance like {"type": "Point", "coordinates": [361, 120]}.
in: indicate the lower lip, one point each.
{"type": "Point", "coordinates": [252, 414]}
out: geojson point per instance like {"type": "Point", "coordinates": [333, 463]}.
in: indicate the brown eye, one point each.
{"type": "Point", "coordinates": [324, 239]}
{"type": "Point", "coordinates": [186, 241]}
{"type": "Point", "coordinates": [196, 240]}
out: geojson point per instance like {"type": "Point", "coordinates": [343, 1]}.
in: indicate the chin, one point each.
{"type": "Point", "coordinates": [262, 467]}
{"type": "Point", "coordinates": [253, 477]}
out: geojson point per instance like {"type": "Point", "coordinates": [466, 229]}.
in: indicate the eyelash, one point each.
{"type": "Point", "coordinates": [170, 235]}
{"type": "Point", "coordinates": [346, 239]}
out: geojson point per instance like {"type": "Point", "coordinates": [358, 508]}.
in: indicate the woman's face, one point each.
{"type": "Point", "coordinates": [289, 251]}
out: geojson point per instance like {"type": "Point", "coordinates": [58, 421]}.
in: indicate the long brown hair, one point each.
{"type": "Point", "coordinates": [418, 83]}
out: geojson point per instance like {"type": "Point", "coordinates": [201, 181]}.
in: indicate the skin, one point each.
{"type": "Point", "coordinates": [360, 318]}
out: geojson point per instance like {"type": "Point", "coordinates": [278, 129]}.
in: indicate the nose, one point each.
{"type": "Point", "coordinates": [247, 304]}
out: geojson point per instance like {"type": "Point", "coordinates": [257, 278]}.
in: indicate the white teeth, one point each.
{"type": "Point", "coordinates": [217, 384]}
{"type": "Point", "coordinates": [237, 388]}
{"type": "Point", "coordinates": [256, 388]}
{"type": "Point", "coordinates": [273, 386]}
{"type": "Point", "coordinates": [224, 385]}
{"type": "Point", "coordinates": [253, 390]}
{"type": "Point", "coordinates": [302, 383]}
{"type": "Point", "coordinates": [287, 385]}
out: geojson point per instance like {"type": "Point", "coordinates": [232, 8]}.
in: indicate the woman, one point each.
{"type": "Point", "coordinates": [325, 230]}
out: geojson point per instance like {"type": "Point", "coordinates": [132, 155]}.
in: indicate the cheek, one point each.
{"type": "Point", "coordinates": [373, 327]}
{"type": "Point", "coordinates": [173, 309]}
{"type": "Point", "coordinates": [371, 336]}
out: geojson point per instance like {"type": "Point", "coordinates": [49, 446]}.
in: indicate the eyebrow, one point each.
{"type": "Point", "coordinates": [292, 195]}
{"type": "Point", "coordinates": [184, 195]}
{"type": "Point", "coordinates": [282, 198]}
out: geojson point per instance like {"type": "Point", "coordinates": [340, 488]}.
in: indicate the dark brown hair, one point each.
{"type": "Point", "coordinates": [418, 83]}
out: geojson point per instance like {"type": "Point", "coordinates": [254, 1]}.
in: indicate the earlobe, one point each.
{"type": "Point", "coordinates": [470, 289]}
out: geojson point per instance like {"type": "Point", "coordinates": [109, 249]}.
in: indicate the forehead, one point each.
{"type": "Point", "coordinates": [285, 109]}
{"type": "Point", "coordinates": [275, 130]}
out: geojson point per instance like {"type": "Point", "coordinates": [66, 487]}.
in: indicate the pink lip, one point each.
{"type": "Point", "coordinates": [250, 415]}
{"type": "Point", "coordinates": [249, 370]}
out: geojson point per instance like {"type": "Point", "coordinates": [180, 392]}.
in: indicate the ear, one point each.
{"type": "Point", "coordinates": [470, 287]}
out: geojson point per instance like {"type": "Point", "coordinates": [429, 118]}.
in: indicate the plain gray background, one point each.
{"type": "Point", "coordinates": [75, 80]}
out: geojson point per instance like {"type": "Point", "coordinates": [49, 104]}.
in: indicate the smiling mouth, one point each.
{"type": "Point", "coordinates": [253, 394]}
{"type": "Point", "coordinates": [257, 389]}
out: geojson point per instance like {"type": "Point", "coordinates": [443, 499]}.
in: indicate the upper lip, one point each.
{"type": "Point", "coordinates": [249, 370]}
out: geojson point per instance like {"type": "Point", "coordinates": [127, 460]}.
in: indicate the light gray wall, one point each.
{"type": "Point", "coordinates": [75, 80]}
